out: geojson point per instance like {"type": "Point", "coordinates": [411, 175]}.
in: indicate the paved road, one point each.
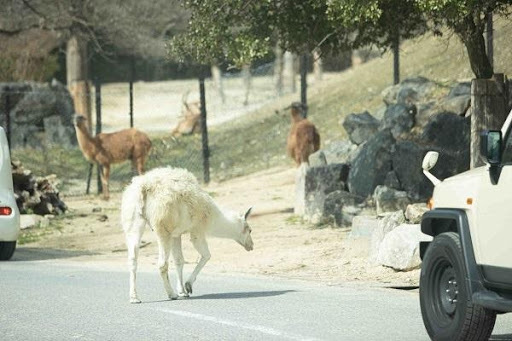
{"type": "Point", "coordinates": [52, 300]}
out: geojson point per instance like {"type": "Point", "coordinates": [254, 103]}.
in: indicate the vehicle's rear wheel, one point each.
{"type": "Point", "coordinates": [446, 307]}
{"type": "Point", "coordinates": [7, 250]}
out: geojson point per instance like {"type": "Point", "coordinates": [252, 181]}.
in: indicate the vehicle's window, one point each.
{"type": "Point", "coordinates": [507, 153]}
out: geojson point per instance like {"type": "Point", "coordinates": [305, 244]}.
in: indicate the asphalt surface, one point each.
{"type": "Point", "coordinates": [53, 300]}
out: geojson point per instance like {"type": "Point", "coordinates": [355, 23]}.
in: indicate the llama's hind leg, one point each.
{"type": "Point", "coordinates": [179, 260]}
{"type": "Point", "coordinates": [201, 246]}
{"type": "Point", "coordinates": [133, 238]}
{"type": "Point", "coordinates": [164, 250]}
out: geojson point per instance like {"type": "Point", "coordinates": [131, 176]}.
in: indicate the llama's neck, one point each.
{"type": "Point", "coordinates": [224, 224]}
{"type": "Point", "coordinates": [85, 141]}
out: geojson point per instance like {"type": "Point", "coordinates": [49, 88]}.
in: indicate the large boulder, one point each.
{"type": "Point", "coordinates": [40, 113]}
{"type": "Point", "coordinates": [409, 91]}
{"type": "Point", "coordinates": [450, 131]}
{"type": "Point", "coordinates": [460, 89]}
{"type": "Point", "coordinates": [399, 119]}
{"type": "Point", "coordinates": [389, 200]}
{"type": "Point", "coordinates": [335, 152]}
{"type": "Point", "coordinates": [455, 105]}
{"type": "Point", "coordinates": [400, 248]}
{"type": "Point", "coordinates": [414, 212]}
{"type": "Point", "coordinates": [339, 208]}
{"type": "Point", "coordinates": [371, 165]}
{"type": "Point", "coordinates": [363, 226]}
{"type": "Point", "coordinates": [385, 225]}
{"type": "Point", "coordinates": [360, 127]}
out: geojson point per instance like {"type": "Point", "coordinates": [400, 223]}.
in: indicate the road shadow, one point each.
{"type": "Point", "coordinates": [241, 295]}
{"type": "Point", "coordinates": [504, 337]}
{"type": "Point", "coordinates": [34, 253]}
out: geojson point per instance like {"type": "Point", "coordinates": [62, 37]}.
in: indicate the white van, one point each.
{"type": "Point", "coordinates": [9, 213]}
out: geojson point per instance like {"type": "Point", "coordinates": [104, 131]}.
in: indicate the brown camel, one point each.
{"type": "Point", "coordinates": [105, 149]}
{"type": "Point", "coordinates": [303, 139]}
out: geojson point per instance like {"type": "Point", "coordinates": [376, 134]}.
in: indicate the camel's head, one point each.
{"type": "Point", "coordinates": [80, 121]}
{"type": "Point", "coordinates": [245, 238]}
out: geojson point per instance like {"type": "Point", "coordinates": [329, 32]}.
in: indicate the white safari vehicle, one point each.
{"type": "Point", "coordinates": [9, 214]}
{"type": "Point", "coordinates": [466, 276]}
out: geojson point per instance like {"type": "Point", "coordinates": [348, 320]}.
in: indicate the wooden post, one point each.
{"type": "Point", "coordinates": [488, 111]}
{"type": "Point", "coordinates": [97, 86]}
{"type": "Point", "coordinates": [304, 84]}
{"type": "Point", "coordinates": [204, 131]}
{"type": "Point", "coordinates": [77, 72]}
{"type": "Point", "coordinates": [7, 110]}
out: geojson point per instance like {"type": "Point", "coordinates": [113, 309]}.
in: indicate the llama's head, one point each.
{"type": "Point", "coordinates": [297, 111]}
{"type": "Point", "coordinates": [80, 121]}
{"type": "Point", "coordinates": [245, 238]}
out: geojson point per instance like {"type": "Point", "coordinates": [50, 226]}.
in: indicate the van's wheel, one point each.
{"type": "Point", "coordinates": [446, 307]}
{"type": "Point", "coordinates": [7, 250]}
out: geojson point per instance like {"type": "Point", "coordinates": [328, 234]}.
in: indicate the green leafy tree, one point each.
{"type": "Point", "coordinates": [467, 20]}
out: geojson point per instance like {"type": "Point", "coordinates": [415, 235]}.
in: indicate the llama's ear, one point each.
{"type": "Point", "coordinates": [246, 215]}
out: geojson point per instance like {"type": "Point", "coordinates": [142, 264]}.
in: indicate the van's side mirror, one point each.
{"type": "Point", "coordinates": [430, 160]}
{"type": "Point", "coordinates": [490, 146]}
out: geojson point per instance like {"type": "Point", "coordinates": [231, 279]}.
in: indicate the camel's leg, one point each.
{"type": "Point", "coordinates": [105, 175]}
{"type": "Point", "coordinates": [133, 238]}
{"type": "Point", "coordinates": [164, 250]}
{"type": "Point", "coordinates": [201, 246]}
{"type": "Point", "coordinates": [177, 255]}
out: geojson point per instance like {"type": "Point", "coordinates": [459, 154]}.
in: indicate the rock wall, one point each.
{"type": "Point", "coordinates": [40, 114]}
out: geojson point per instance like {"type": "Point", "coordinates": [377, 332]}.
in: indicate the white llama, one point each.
{"type": "Point", "coordinates": [172, 203]}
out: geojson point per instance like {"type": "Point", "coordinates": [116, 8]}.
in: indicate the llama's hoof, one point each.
{"type": "Point", "coordinates": [188, 288]}
{"type": "Point", "coordinates": [183, 295]}
{"type": "Point", "coordinates": [135, 300]}
{"type": "Point", "coordinates": [173, 297]}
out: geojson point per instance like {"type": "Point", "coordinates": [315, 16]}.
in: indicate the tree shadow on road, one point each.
{"type": "Point", "coordinates": [503, 337]}
{"type": "Point", "coordinates": [240, 295]}
{"type": "Point", "coordinates": [34, 253]}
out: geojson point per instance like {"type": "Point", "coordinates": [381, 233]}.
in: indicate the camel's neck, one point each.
{"type": "Point", "coordinates": [224, 225]}
{"type": "Point", "coordinates": [86, 142]}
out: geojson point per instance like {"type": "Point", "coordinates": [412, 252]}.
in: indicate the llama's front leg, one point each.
{"type": "Point", "coordinates": [201, 246]}
{"type": "Point", "coordinates": [105, 175]}
{"type": "Point", "coordinates": [179, 260]}
{"type": "Point", "coordinates": [164, 248]}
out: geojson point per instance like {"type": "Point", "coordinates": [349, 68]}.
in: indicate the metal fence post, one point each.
{"type": "Point", "coordinates": [204, 132]}
{"type": "Point", "coordinates": [304, 84]}
{"type": "Point", "coordinates": [97, 87]}
{"type": "Point", "coordinates": [8, 115]}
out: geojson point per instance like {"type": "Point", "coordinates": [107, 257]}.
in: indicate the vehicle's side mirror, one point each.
{"type": "Point", "coordinates": [430, 160]}
{"type": "Point", "coordinates": [490, 147]}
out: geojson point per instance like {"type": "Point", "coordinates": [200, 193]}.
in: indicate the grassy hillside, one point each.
{"type": "Point", "coordinates": [257, 141]}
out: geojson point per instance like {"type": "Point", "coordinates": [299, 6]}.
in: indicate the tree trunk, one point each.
{"type": "Point", "coordinates": [246, 75]}
{"type": "Point", "coordinates": [318, 69]}
{"type": "Point", "coordinates": [77, 75]}
{"type": "Point", "coordinates": [396, 60]}
{"type": "Point", "coordinates": [304, 83]}
{"type": "Point", "coordinates": [489, 109]}
{"type": "Point", "coordinates": [490, 39]}
{"type": "Point", "coordinates": [278, 70]}
{"type": "Point", "coordinates": [217, 81]}
{"type": "Point", "coordinates": [475, 45]}
{"type": "Point", "coordinates": [290, 71]}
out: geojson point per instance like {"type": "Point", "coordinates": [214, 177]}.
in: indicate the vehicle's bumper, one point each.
{"type": "Point", "coordinates": [9, 225]}
{"type": "Point", "coordinates": [492, 300]}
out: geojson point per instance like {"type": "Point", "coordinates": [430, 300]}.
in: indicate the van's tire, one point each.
{"type": "Point", "coordinates": [446, 307]}
{"type": "Point", "coordinates": [7, 250]}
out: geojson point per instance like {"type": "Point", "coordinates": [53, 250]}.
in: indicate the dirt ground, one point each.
{"type": "Point", "coordinates": [284, 245]}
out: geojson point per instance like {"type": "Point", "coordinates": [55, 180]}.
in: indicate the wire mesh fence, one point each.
{"type": "Point", "coordinates": [43, 135]}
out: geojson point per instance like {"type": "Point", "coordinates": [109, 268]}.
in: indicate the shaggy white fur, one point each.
{"type": "Point", "coordinates": [172, 203]}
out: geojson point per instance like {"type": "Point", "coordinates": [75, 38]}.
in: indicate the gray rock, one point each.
{"type": "Point", "coordinates": [35, 107]}
{"type": "Point", "coordinates": [360, 127]}
{"type": "Point", "coordinates": [461, 89]}
{"type": "Point", "coordinates": [335, 152]}
{"type": "Point", "coordinates": [391, 181]}
{"type": "Point", "coordinates": [372, 163]}
{"type": "Point", "coordinates": [333, 208]}
{"type": "Point", "coordinates": [385, 225]}
{"type": "Point", "coordinates": [448, 131]}
{"type": "Point", "coordinates": [363, 227]}
{"type": "Point", "coordinates": [389, 200]}
{"type": "Point", "coordinates": [456, 105]}
{"type": "Point", "coordinates": [300, 190]}
{"type": "Point", "coordinates": [414, 212]}
{"type": "Point", "coordinates": [399, 118]}
{"type": "Point", "coordinates": [409, 91]}
{"type": "Point", "coordinates": [28, 221]}
{"type": "Point", "coordinates": [349, 212]}
{"type": "Point", "coordinates": [400, 248]}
